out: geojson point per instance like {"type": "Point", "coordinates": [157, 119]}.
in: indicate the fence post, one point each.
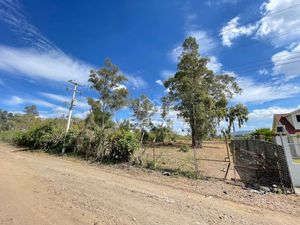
{"type": "Point", "coordinates": [195, 163]}
{"type": "Point", "coordinates": [228, 155]}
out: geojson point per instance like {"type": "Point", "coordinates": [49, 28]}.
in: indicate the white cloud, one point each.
{"type": "Point", "coordinates": [211, 3]}
{"type": "Point", "coordinates": [282, 27]}
{"type": "Point", "coordinates": [166, 74]}
{"type": "Point", "coordinates": [287, 62]}
{"type": "Point", "coordinates": [11, 12]}
{"type": "Point", "coordinates": [80, 103]}
{"type": "Point", "coordinates": [233, 31]}
{"type": "Point", "coordinates": [121, 86]}
{"type": "Point", "coordinates": [206, 44]}
{"type": "Point", "coordinates": [52, 65]}
{"type": "Point", "coordinates": [268, 113]}
{"type": "Point", "coordinates": [214, 64]}
{"type": "Point", "coordinates": [43, 59]}
{"type": "Point", "coordinates": [263, 72]}
{"type": "Point", "coordinates": [259, 92]}
{"type": "Point", "coordinates": [81, 115]}
{"type": "Point", "coordinates": [136, 81]}
{"type": "Point", "coordinates": [159, 82]}
{"type": "Point", "coordinates": [16, 100]}
{"type": "Point", "coordinates": [59, 98]}
{"type": "Point", "coordinates": [280, 23]}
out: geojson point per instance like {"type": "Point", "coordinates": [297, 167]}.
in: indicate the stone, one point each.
{"type": "Point", "coordinates": [265, 189]}
{"type": "Point", "coordinates": [166, 173]}
{"type": "Point", "coordinates": [256, 191]}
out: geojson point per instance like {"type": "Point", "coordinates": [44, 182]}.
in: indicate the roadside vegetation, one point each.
{"type": "Point", "coordinates": [198, 95]}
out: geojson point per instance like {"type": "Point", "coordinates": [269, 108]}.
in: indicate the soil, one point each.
{"type": "Point", "coordinates": [37, 188]}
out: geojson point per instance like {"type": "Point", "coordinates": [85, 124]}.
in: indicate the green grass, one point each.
{"type": "Point", "coordinates": [296, 160]}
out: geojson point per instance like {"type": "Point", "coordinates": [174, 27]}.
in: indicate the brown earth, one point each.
{"type": "Point", "coordinates": [36, 188]}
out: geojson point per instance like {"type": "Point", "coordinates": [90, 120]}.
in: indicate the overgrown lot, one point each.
{"type": "Point", "coordinates": [171, 158]}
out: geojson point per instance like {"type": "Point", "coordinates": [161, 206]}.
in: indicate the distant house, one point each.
{"type": "Point", "coordinates": [289, 123]}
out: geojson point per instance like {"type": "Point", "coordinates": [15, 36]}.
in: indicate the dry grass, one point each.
{"type": "Point", "coordinates": [296, 160]}
{"type": "Point", "coordinates": [211, 159]}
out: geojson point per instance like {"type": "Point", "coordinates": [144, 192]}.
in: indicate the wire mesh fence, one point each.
{"type": "Point", "coordinates": [260, 162]}
{"type": "Point", "coordinates": [180, 158]}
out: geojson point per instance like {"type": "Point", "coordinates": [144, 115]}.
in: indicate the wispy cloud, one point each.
{"type": "Point", "coordinates": [212, 3]}
{"type": "Point", "coordinates": [287, 63]}
{"type": "Point", "coordinates": [81, 103]}
{"type": "Point", "coordinates": [16, 100]}
{"type": "Point", "coordinates": [51, 65]}
{"type": "Point", "coordinates": [11, 12]}
{"type": "Point", "coordinates": [56, 97]}
{"type": "Point", "coordinates": [136, 82]}
{"type": "Point", "coordinates": [41, 59]}
{"type": "Point", "coordinates": [259, 92]}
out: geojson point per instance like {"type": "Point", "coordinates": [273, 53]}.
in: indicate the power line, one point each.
{"type": "Point", "coordinates": [217, 34]}
{"type": "Point", "coordinates": [72, 104]}
{"type": "Point", "coordinates": [255, 43]}
{"type": "Point", "coordinates": [263, 16]}
{"type": "Point", "coordinates": [267, 66]}
{"type": "Point", "coordinates": [264, 62]}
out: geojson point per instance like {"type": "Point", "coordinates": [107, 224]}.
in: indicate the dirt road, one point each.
{"type": "Point", "coordinates": [36, 188]}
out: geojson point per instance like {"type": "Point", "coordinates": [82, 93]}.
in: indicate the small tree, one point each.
{"type": "Point", "coordinates": [164, 113]}
{"type": "Point", "coordinates": [5, 123]}
{"type": "Point", "coordinates": [31, 110]}
{"type": "Point", "coordinates": [108, 82]}
{"type": "Point", "coordinates": [142, 109]}
{"type": "Point", "coordinates": [200, 95]}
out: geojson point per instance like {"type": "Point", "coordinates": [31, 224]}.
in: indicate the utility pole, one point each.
{"type": "Point", "coordinates": [73, 101]}
{"type": "Point", "coordinates": [72, 104]}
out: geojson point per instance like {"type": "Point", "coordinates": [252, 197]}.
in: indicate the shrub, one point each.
{"type": "Point", "coordinates": [48, 136]}
{"type": "Point", "coordinates": [123, 145]}
{"type": "Point", "coordinates": [184, 148]}
{"type": "Point", "coordinates": [8, 136]}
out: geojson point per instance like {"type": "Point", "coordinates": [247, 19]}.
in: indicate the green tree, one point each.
{"type": "Point", "coordinates": [31, 110]}
{"type": "Point", "coordinates": [165, 125]}
{"type": "Point", "coordinates": [5, 120]}
{"type": "Point", "coordinates": [237, 113]}
{"type": "Point", "coordinates": [112, 96]}
{"type": "Point", "coordinates": [198, 93]}
{"type": "Point", "coordinates": [264, 133]}
{"type": "Point", "coordinates": [142, 109]}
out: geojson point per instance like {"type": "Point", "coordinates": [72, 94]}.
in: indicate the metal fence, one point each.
{"type": "Point", "coordinates": [260, 162]}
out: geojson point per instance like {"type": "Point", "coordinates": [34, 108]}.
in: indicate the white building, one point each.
{"type": "Point", "coordinates": [290, 124]}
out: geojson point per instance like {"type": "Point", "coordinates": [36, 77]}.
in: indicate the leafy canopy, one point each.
{"type": "Point", "coordinates": [200, 95]}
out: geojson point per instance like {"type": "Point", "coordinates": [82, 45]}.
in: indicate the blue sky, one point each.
{"type": "Point", "coordinates": [45, 43]}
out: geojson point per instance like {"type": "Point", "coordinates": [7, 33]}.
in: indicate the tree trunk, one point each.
{"type": "Point", "coordinates": [141, 151]}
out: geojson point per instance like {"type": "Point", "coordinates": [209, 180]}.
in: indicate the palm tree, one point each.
{"type": "Point", "coordinates": [238, 112]}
